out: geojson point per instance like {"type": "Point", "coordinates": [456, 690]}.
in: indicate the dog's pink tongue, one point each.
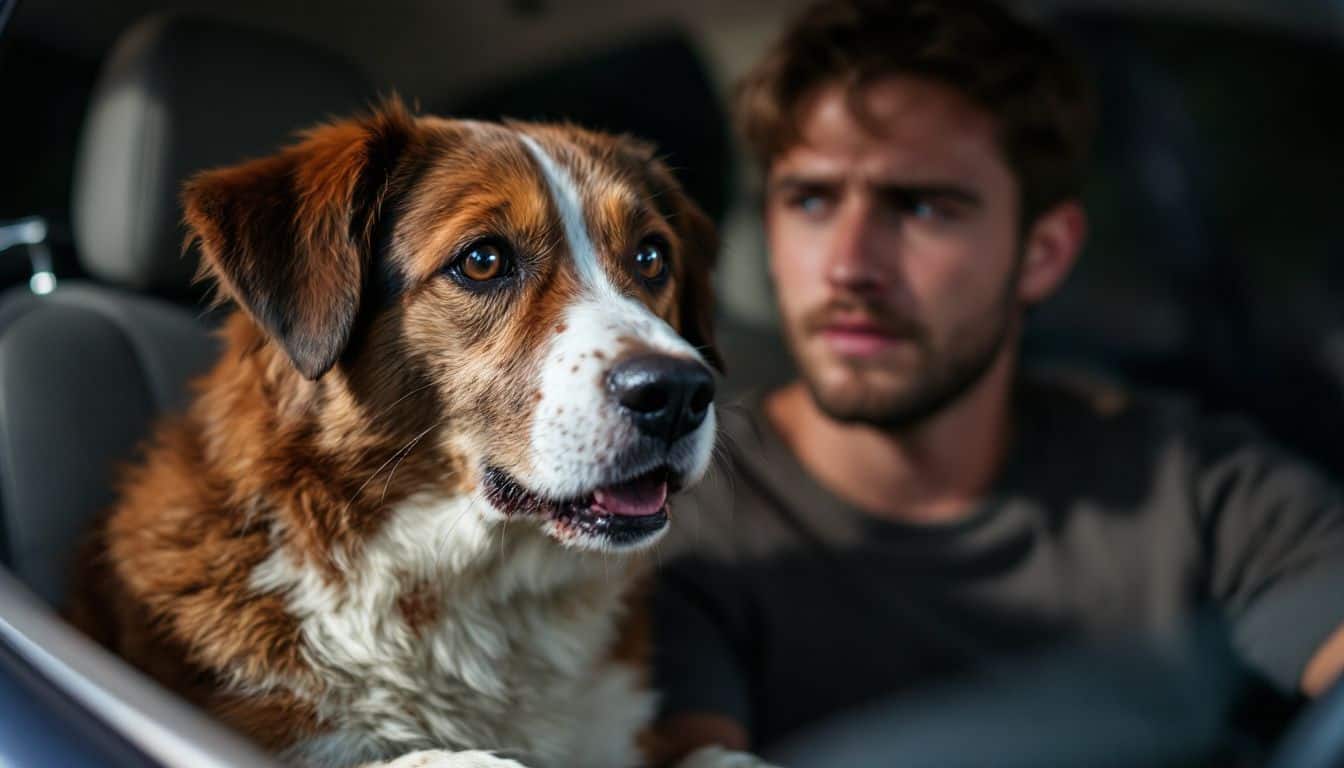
{"type": "Point", "coordinates": [637, 498]}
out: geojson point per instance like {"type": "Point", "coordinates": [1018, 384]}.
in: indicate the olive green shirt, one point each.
{"type": "Point", "coordinates": [780, 604]}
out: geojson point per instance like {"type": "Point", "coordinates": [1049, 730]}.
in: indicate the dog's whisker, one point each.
{"type": "Point", "coordinates": [375, 419]}
{"type": "Point", "coordinates": [388, 409]}
{"type": "Point", "coordinates": [393, 459]}
{"type": "Point", "coordinates": [656, 551]}
{"type": "Point", "coordinates": [446, 538]}
{"type": "Point", "coordinates": [406, 451]}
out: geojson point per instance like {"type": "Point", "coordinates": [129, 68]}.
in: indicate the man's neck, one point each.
{"type": "Point", "coordinates": [931, 473]}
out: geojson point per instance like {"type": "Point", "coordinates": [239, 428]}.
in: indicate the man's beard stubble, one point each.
{"type": "Point", "coordinates": [943, 377]}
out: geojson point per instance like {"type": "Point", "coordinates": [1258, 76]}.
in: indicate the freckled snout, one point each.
{"type": "Point", "coordinates": [666, 397]}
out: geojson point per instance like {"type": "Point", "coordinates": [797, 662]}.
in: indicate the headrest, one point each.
{"type": "Point", "coordinates": [178, 94]}
{"type": "Point", "coordinates": [654, 87]}
{"type": "Point", "coordinates": [1142, 286]}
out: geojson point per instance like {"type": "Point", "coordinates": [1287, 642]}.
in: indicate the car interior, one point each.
{"type": "Point", "coordinates": [1211, 270]}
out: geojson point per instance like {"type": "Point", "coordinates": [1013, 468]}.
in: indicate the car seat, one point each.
{"type": "Point", "coordinates": [85, 370]}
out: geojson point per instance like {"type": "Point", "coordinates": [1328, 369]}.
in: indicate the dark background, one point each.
{"type": "Point", "coordinates": [1214, 265]}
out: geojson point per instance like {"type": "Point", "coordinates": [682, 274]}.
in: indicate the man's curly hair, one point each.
{"type": "Point", "coordinates": [1042, 103]}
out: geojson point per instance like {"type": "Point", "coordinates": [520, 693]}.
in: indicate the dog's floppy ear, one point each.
{"type": "Point", "coordinates": [700, 246]}
{"type": "Point", "coordinates": [289, 237]}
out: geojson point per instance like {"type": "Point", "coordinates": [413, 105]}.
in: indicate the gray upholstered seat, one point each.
{"type": "Point", "coordinates": [86, 370]}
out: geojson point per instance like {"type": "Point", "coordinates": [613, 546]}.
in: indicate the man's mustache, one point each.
{"type": "Point", "coordinates": [882, 317]}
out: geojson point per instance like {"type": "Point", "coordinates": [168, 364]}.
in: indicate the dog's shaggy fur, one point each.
{"type": "Point", "coordinates": [374, 531]}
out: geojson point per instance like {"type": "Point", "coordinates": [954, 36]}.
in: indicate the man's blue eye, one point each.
{"type": "Point", "coordinates": [811, 203]}
{"type": "Point", "coordinates": [927, 209]}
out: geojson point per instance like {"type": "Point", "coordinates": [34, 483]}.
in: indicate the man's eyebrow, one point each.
{"type": "Point", "coordinates": [963, 195]}
{"type": "Point", "coordinates": [792, 181]}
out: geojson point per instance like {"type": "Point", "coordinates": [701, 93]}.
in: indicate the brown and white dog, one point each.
{"type": "Point", "coordinates": [469, 368]}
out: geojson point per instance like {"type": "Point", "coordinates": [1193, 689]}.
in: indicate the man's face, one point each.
{"type": "Point", "coordinates": [894, 253]}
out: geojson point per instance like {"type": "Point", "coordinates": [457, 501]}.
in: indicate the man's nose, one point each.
{"type": "Point", "coordinates": [667, 397]}
{"type": "Point", "coordinates": [853, 263]}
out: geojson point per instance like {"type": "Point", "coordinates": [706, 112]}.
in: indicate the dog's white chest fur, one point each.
{"type": "Point", "coordinates": [513, 658]}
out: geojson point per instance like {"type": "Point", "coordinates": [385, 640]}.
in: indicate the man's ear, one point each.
{"type": "Point", "coordinates": [1050, 249]}
{"type": "Point", "coordinates": [290, 237]}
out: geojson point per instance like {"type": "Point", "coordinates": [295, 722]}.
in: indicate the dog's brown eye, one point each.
{"type": "Point", "coordinates": [485, 266]}
{"type": "Point", "coordinates": [482, 262]}
{"type": "Point", "coordinates": [651, 260]}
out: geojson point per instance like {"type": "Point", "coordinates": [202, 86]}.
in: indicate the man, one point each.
{"type": "Point", "coordinates": [913, 504]}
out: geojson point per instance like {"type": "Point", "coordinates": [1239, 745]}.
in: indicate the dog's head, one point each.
{"type": "Point", "coordinates": [533, 299]}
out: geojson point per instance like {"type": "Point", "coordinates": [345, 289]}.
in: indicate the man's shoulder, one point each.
{"type": "Point", "coordinates": [1088, 418]}
{"type": "Point", "coordinates": [1086, 406]}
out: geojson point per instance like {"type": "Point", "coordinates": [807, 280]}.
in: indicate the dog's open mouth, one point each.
{"type": "Point", "coordinates": [622, 513]}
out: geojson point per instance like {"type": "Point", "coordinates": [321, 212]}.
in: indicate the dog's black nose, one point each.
{"type": "Point", "coordinates": [666, 396]}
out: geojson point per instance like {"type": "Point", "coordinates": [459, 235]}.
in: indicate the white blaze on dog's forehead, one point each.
{"type": "Point", "coordinates": [566, 196]}
{"type": "Point", "coordinates": [625, 315]}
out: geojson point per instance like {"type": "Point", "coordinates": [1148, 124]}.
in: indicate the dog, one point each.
{"type": "Point", "coordinates": [400, 522]}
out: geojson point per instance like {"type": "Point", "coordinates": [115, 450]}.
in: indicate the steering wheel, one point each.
{"type": "Point", "coordinates": [1139, 702]}
{"type": "Point", "coordinates": [1316, 739]}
